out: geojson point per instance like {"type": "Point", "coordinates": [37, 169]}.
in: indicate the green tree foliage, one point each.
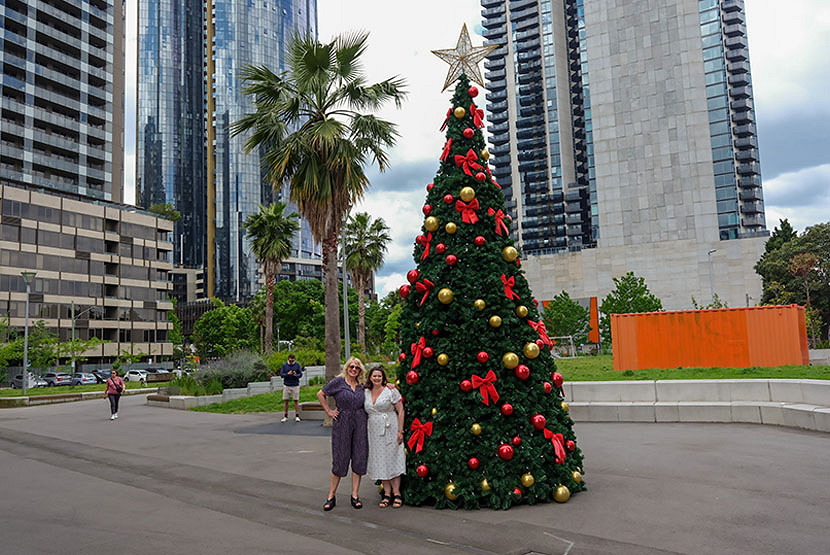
{"type": "Point", "coordinates": [630, 294]}
{"type": "Point", "coordinates": [717, 302]}
{"type": "Point", "coordinates": [797, 266]}
{"type": "Point", "coordinates": [780, 235]}
{"type": "Point", "coordinates": [224, 330]}
{"type": "Point", "coordinates": [166, 210]}
{"type": "Point", "coordinates": [271, 232]}
{"type": "Point", "coordinates": [175, 335]}
{"type": "Point", "coordinates": [564, 316]}
{"type": "Point", "coordinates": [316, 127]}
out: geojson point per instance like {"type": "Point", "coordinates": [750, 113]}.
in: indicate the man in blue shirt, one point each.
{"type": "Point", "coordinates": [291, 373]}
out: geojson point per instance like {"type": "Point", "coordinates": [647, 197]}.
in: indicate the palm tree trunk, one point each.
{"type": "Point", "coordinates": [361, 313]}
{"type": "Point", "coordinates": [332, 304]}
{"type": "Point", "coordinates": [269, 307]}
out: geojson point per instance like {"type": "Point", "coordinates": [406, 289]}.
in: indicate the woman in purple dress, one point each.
{"type": "Point", "coordinates": [348, 434]}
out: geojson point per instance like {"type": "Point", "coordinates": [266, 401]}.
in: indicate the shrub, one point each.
{"type": "Point", "coordinates": [236, 370]}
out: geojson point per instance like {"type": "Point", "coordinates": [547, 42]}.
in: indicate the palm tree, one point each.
{"type": "Point", "coordinates": [310, 126]}
{"type": "Point", "coordinates": [366, 242]}
{"type": "Point", "coordinates": [271, 232]}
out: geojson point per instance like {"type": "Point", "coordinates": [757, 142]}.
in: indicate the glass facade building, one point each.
{"type": "Point", "coordinates": [62, 95]}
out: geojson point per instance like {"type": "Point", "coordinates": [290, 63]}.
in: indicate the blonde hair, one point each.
{"type": "Point", "coordinates": [360, 377]}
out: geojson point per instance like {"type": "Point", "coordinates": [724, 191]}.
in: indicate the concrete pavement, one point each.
{"type": "Point", "coordinates": [168, 481]}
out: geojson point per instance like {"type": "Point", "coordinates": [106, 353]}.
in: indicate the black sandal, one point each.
{"type": "Point", "coordinates": [385, 501]}
{"type": "Point", "coordinates": [330, 504]}
{"type": "Point", "coordinates": [357, 503]}
{"type": "Point", "coordinates": [398, 502]}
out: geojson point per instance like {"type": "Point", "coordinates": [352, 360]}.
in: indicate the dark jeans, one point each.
{"type": "Point", "coordinates": [114, 402]}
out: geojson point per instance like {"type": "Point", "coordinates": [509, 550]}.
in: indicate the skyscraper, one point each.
{"type": "Point", "coordinates": [623, 136]}
{"type": "Point", "coordinates": [62, 95]}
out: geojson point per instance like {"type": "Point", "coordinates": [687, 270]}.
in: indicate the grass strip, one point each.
{"type": "Point", "coordinates": [35, 391]}
{"type": "Point", "coordinates": [266, 402]}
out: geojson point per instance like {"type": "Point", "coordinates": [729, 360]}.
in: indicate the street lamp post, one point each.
{"type": "Point", "coordinates": [28, 277]}
{"type": "Point", "coordinates": [711, 282]}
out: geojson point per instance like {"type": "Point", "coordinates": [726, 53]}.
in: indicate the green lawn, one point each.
{"type": "Point", "coordinates": [69, 389]}
{"type": "Point", "coordinates": [267, 402]}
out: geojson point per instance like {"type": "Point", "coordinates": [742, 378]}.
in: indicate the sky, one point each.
{"type": "Point", "coordinates": [790, 76]}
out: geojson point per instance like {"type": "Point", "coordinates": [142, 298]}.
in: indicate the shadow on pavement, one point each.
{"type": "Point", "coordinates": [290, 428]}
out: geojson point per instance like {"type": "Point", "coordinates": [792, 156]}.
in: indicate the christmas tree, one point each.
{"type": "Point", "coordinates": [486, 420]}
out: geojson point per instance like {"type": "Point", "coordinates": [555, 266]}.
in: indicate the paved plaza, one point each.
{"type": "Point", "coordinates": [166, 481]}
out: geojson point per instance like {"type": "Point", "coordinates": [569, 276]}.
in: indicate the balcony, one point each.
{"type": "Point", "coordinates": [749, 182]}
{"type": "Point", "coordinates": [740, 92]}
{"type": "Point", "coordinates": [496, 32]}
{"type": "Point", "coordinates": [735, 17]}
{"type": "Point", "coordinates": [496, 96]}
{"type": "Point", "coordinates": [738, 80]}
{"type": "Point", "coordinates": [741, 118]}
{"type": "Point", "coordinates": [737, 67]}
{"type": "Point", "coordinates": [729, 6]}
{"type": "Point", "coordinates": [741, 105]}
{"type": "Point", "coordinates": [737, 55]}
{"type": "Point", "coordinates": [500, 139]}
{"type": "Point", "coordinates": [750, 155]}
{"type": "Point", "coordinates": [746, 142]}
{"type": "Point", "coordinates": [493, 23]}
{"type": "Point", "coordinates": [751, 194]}
{"type": "Point", "coordinates": [494, 63]}
{"type": "Point", "coordinates": [748, 168]}
{"type": "Point", "coordinates": [753, 220]}
{"type": "Point", "coordinates": [495, 75]}
{"type": "Point", "coordinates": [735, 30]}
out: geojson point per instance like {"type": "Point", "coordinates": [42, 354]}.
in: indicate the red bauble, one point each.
{"type": "Point", "coordinates": [428, 352]}
{"type": "Point", "coordinates": [466, 386]}
{"type": "Point", "coordinates": [535, 302]}
{"type": "Point", "coordinates": [404, 290]}
{"type": "Point", "coordinates": [401, 356]}
{"type": "Point", "coordinates": [472, 91]}
{"type": "Point", "coordinates": [430, 186]}
{"type": "Point", "coordinates": [448, 198]}
{"type": "Point", "coordinates": [451, 259]}
{"type": "Point", "coordinates": [420, 240]}
{"type": "Point", "coordinates": [482, 357]}
{"type": "Point", "coordinates": [427, 209]}
{"type": "Point", "coordinates": [557, 378]}
{"type": "Point", "coordinates": [479, 241]}
{"type": "Point", "coordinates": [422, 471]}
{"type": "Point", "coordinates": [481, 177]}
{"type": "Point", "coordinates": [538, 421]}
{"type": "Point", "coordinates": [540, 344]}
{"type": "Point", "coordinates": [548, 387]}
{"type": "Point", "coordinates": [412, 276]}
{"type": "Point", "coordinates": [435, 332]}
{"type": "Point", "coordinates": [570, 445]}
{"type": "Point", "coordinates": [506, 451]}
{"type": "Point", "coordinates": [473, 463]}
{"type": "Point", "coordinates": [517, 441]}
{"type": "Point", "coordinates": [440, 248]}
{"type": "Point", "coordinates": [468, 133]}
{"type": "Point", "coordinates": [517, 492]}
{"type": "Point", "coordinates": [522, 372]}
{"type": "Point", "coordinates": [507, 409]}
{"type": "Point", "coordinates": [412, 377]}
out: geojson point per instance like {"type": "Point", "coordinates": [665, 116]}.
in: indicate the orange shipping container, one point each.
{"type": "Point", "coordinates": [727, 337]}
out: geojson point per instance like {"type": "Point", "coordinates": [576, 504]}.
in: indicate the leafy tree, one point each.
{"type": "Point", "coordinates": [366, 244]}
{"type": "Point", "coordinates": [392, 329]}
{"type": "Point", "coordinates": [126, 358]}
{"type": "Point", "coordinates": [630, 294]}
{"type": "Point", "coordinates": [780, 235]}
{"type": "Point", "coordinates": [224, 330]}
{"type": "Point", "coordinates": [564, 316]}
{"type": "Point", "coordinates": [175, 334]}
{"type": "Point", "coordinates": [165, 210]}
{"type": "Point", "coordinates": [310, 124]}
{"type": "Point", "coordinates": [803, 266]}
{"type": "Point", "coordinates": [717, 302]}
{"type": "Point", "coordinates": [271, 233]}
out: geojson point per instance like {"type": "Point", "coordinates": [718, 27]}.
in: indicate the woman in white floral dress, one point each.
{"type": "Point", "coordinates": [387, 461]}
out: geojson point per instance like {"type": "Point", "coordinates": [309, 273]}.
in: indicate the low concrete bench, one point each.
{"type": "Point", "coordinates": [312, 410]}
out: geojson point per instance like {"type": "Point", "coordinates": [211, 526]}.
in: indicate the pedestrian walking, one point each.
{"type": "Point", "coordinates": [115, 387]}
{"type": "Point", "coordinates": [387, 460]}
{"type": "Point", "coordinates": [291, 373]}
{"type": "Point", "coordinates": [348, 434]}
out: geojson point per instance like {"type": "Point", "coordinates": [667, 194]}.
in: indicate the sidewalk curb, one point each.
{"type": "Point", "coordinates": [35, 400]}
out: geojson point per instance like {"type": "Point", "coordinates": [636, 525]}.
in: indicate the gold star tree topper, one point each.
{"type": "Point", "coordinates": [464, 58]}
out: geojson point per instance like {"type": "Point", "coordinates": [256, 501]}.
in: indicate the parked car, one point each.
{"type": "Point", "coordinates": [101, 375]}
{"type": "Point", "coordinates": [135, 376]}
{"type": "Point", "coordinates": [34, 381]}
{"type": "Point", "coordinates": [57, 378]}
{"type": "Point", "coordinates": [82, 378]}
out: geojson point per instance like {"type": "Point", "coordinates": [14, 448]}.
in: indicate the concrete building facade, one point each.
{"type": "Point", "coordinates": [647, 157]}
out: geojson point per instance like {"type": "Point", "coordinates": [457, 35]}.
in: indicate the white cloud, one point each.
{"type": "Point", "coordinates": [803, 197]}
{"type": "Point", "coordinates": [391, 282]}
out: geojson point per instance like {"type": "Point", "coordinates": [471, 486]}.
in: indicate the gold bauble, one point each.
{"type": "Point", "coordinates": [467, 194]}
{"type": "Point", "coordinates": [475, 429]}
{"type": "Point", "coordinates": [443, 359]}
{"type": "Point", "coordinates": [431, 223]}
{"type": "Point", "coordinates": [495, 321]}
{"type": "Point", "coordinates": [417, 325]}
{"type": "Point", "coordinates": [531, 350]}
{"type": "Point", "coordinates": [564, 406]}
{"type": "Point", "coordinates": [577, 476]}
{"type": "Point", "coordinates": [434, 411]}
{"type": "Point", "coordinates": [398, 384]}
{"type": "Point", "coordinates": [510, 360]}
{"type": "Point", "coordinates": [561, 494]}
{"type": "Point", "coordinates": [450, 492]}
{"type": "Point", "coordinates": [510, 254]}
{"type": "Point", "coordinates": [459, 112]}
{"type": "Point", "coordinates": [521, 311]}
{"type": "Point", "coordinates": [480, 304]}
{"type": "Point", "coordinates": [380, 489]}
{"type": "Point", "coordinates": [446, 295]}
{"type": "Point", "coordinates": [451, 228]}
{"type": "Point", "coordinates": [485, 485]}
{"type": "Point", "coordinates": [485, 154]}
{"type": "Point", "coordinates": [528, 480]}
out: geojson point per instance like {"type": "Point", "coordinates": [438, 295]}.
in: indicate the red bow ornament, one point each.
{"type": "Point", "coordinates": [468, 210]}
{"type": "Point", "coordinates": [539, 327]}
{"type": "Point", "coordinates": [468, 162]}
{"type": "Point", "coordinates": [416, 350]}
{"type": "Point", "coordinates": [419, 431]}
{"type": "Point", "coordinates": [446, 152]}
{"type": "Point", "coordinates": [488, 390]}
{"type": "Point", "coordinates": [446, 120]}
{"type": "Point", "coordinates": [424, 287]}
{"type": "Point", "coordinates": [500, 225]}
{"type": "Point", "coordinates": [477, 114]}
{"type": "Point", "coordinates": [558, 444]}
{"type": "Point", "coordinates": [508, 286]}
{"type": "Point", "coordinates": [426, 246]}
